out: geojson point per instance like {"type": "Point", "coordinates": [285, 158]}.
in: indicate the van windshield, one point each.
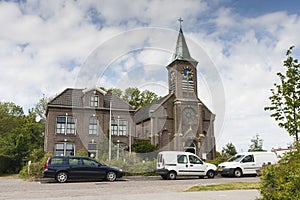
{"type": "Point", "coordinates": [236, 158]}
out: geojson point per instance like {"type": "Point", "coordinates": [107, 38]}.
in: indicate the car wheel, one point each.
{"type": "Point", "coordinates": [111, 176]}
{"type": "Point", "coordinates": [171, 175]}
{"type": "Point", "coordinates": [210, 174]}
{"type": "Point", "coordinates": [62, 177]}
{"type": "Point", "coordinates": [237, 173]}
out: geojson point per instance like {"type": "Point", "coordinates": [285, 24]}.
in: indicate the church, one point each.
{"type": "Point", "coordinates": [96, 121]}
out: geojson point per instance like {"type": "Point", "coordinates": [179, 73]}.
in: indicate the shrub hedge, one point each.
{"type": "Point", "coordinates": [282, 181]}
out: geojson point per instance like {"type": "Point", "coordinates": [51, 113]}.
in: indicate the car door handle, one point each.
{"type": "Point", "coordinates": [191, 165]}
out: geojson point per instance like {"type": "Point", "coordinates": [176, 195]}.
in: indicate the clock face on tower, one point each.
{"type": "Point", "coordinates": [172, 76]}
{"type": "Point", "coordinates": [187, 73]}
{"type": "Point", "coordinates": [189, 115]}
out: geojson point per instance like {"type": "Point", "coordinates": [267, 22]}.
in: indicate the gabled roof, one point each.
{"type": "Point", "coordinates": [69, 97]}
{"type": "Point", "coordinates": [181, 50]}
{"type": "Point", "coordinates": [116, 102]}
{"type": "Point", "coordinates": [145, 112]}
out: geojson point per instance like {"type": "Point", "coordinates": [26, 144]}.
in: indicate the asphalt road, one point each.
{"type": "Point", "coordinates": [127, 188]}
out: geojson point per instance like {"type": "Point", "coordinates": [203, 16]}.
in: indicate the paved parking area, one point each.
{"type": "Point", "coordinates": [147, 188]}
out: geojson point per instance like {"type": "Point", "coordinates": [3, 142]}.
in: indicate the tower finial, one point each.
{"type": "Point", "coordinates": [180, 22]}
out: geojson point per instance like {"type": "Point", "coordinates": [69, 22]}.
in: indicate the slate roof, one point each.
{"type": "Point", "coordinates": [116, 102]}
{"type": "Point", "coordinates": [74, 97]}
{"type": "Point", "coordinates": [145, 112]}
{"type": "Point", "coordinates": [69, 97]}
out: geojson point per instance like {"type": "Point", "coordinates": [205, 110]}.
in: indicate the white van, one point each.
{"type": "Point", "coordinates": [176, 163]}
{"type": "Point", "coordinates": [246, 163]}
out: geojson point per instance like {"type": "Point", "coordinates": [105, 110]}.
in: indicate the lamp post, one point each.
{"type": "Point", "coordinates": [109, 137]}
{"type": "Point", "coordinates": [118, 149]}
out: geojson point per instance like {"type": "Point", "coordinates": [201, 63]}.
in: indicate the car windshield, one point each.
{"type": "Point", "coordinates": [236, 158]}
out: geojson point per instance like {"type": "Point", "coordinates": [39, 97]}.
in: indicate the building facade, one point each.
{"type": "Point", "coordinates": [88, 119]}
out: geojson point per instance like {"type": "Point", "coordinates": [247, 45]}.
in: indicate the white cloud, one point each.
{"type": "Point", "coordinates": [46, 46]}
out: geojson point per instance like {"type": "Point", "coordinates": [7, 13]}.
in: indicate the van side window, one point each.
{"type": "Point", "coordinates": [182, 159]}
{"type": "Point", "coordinates": [248, 158]}
{"type": "Point", "coordinates": [195, 160]}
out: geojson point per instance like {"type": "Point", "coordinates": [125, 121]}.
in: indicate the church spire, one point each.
{"type": "Point", "coordinates": [181, 49]}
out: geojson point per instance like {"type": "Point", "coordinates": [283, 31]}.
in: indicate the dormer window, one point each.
{"type": "Point", "coordinates": [94, 101]}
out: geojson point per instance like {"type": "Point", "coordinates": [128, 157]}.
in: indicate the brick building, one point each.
{"type": "Point", "coordinates": [83, 119]}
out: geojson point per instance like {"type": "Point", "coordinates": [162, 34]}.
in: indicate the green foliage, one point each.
{"type": "Point", "coordinates": [134, 97]}
{"type": "Point", "coordinates": [143, 146]}
{"type": "Point", "coordinates": [282, 181]}
{"type": "Point", "coordinates": [133, 167]}
{"type": "Point", "coordinates": [20, 134]}
{"type": "Point", "coordinates": [285, 99]}
{"type": "Point", "coordinates": [229, 150]}
{"type": "Point", "coordinates": [218, 160]}
{"type": "Point", "coordinates": [35, 169]}
{"type": "Point", "coordinates": [6, 164]}
{"type": "Point", "coordinates": [256, 144]}
{"type": "Point", "coordinates": [82, 152]}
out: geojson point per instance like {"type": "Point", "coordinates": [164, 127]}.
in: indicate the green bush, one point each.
{"type": "Point", "coordinates": [35, 169]}
{"type": "Point", "coordinates": [133, 168]}
{"type": "Point", "coordinates": [282, 181]}
{"type": "Point", "coordinates": [218, 160]}
{"type": "Point", "coordinates": [6, 164]}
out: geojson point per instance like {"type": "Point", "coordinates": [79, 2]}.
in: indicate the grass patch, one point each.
{"type": "Point", "coordinates": [227, 186]}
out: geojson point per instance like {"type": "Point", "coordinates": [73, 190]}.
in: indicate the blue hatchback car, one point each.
{"type": "Point", "coordinates": [64, 168]}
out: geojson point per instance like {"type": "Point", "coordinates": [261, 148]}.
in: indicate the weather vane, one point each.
{"type": "Point", "coordinates": [180, 21]}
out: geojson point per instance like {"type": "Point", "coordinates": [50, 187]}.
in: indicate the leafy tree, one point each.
{"type": "Point", "coordinates": [256, 144]}
{"type": "Point", "coordinates": [134, 97]}
{"type": "Point", "coordinates": [285, 99]}
{"type": "Point", "coordinates": [19, 135]}
{"type": "Point", "coordinates": [117, 92]}
{"type": "Point", "coordinates": [148, 97]}
{"type": "Point", "coordinates": [41, 107]}
{"type": "Point", "coordinates": [229, 150]}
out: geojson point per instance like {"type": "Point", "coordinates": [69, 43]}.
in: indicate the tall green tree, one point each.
{"type": "Point", "coordinates": [41, 107]}
{"type": "Point", "coordinates": [134, 97]}
{"type": "Point", "coordinates": [20, 134]}
{"type": "Point", "coordinates": [256, 144]}
{"type": "Point", "coordinates": [285, 99]}
{"type": "Point", "coordinates": [229, 150]}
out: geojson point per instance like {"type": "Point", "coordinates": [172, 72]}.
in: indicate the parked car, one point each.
{"type": "Point", "coordinates": [246, 163]}
{"type": "Point", "coordinates": [63, 168]}
{"type": "Point", "coordinates": [171, 164]}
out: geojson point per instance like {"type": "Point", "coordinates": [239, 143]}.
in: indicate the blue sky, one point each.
{"type": "Point", "coordinates": [47, 46]}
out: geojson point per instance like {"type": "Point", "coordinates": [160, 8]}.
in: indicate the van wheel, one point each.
{"type": "Point", "coordinates": [210, 174]}
{"type": "Point", "coordinates": [237, 173]}
{"type": "Point", "coordinates": [171, 175]}
{"type": "Point", "coordinates": [61, 177]}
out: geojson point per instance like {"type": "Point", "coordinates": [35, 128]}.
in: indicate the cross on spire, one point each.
{"type": "Point", "coordinates": [180, 22]}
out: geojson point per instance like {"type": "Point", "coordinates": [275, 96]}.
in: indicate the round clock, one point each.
{"type": "Point", "coordinates": [172, 76]}
{"type": "Point", "coordinates": [187, 73]}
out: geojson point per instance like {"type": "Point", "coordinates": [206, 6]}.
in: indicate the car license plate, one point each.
{"type": "Point", "coordinates": [220, 169]}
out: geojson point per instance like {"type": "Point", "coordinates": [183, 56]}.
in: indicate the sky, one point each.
{"type": "Point", "coordinates": [48, 46]}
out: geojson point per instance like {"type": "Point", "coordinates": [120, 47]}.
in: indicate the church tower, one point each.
{"type": "Point", "coordinates": [182, 74]}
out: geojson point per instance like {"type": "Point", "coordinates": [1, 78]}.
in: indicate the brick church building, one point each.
{"type": "Point", "coordinates": [88, 119]}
